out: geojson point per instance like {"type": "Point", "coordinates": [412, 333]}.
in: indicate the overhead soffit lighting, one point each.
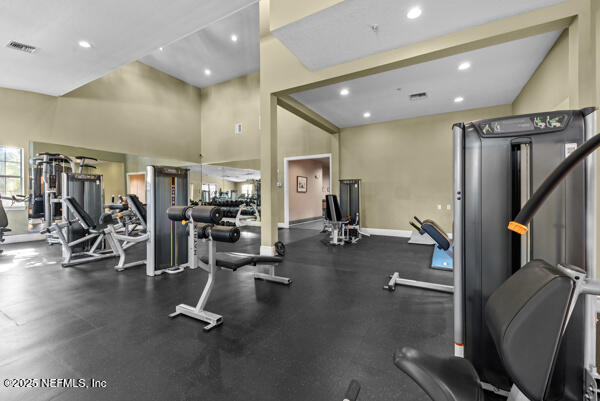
{"type": "Point", "coordinates": [465, 65]}
{"type": "Point", "coordinates": [414, 13]}
{"type": "Point", "coordinates": [207, 71]}
{"type": "Point", "coordinates": [345, 92]}
{"type": "Point", "coordinates": [85, 44]}
{"type": "Point", "coordinates": [367, 114]}
{"type": "Point", "coordinates": [458, 99]}
{"type": "Point", "coordinates": [234, 37]}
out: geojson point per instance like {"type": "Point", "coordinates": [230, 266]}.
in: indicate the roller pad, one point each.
{"type": "Point", "coordinates": [225, 234]}
{"type": "Point", "coordinates": [207, 214]}
{"type": "Point", "coordinates": [202, 229]}
{"type": "Point", "coordinates": [178, 213]}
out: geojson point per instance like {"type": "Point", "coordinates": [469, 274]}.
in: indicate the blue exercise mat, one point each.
{"type": "Point", "coordinates": [441, 259]}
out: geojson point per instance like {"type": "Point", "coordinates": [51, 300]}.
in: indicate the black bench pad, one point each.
{"type": "Point", "coordinates": [233, 260]}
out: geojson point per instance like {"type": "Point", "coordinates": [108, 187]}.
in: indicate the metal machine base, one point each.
{"type": "Point", "coordinates": [212, 319]}
{"type": "Point", "coordinates": [396, 280]}
{"type": "Point", "coordinates": [128, 265]}
{"type": "Point", "coordinates": [270, 276]}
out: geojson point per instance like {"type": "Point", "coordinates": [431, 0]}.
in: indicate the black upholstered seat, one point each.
{"type": "Point", "coordinates": [527, 316]}
{"type": "Point", "coordinates": [229, 260]}
{"type": "Point", "coordinates": [77, 208]}
{"type": "Point", "coordinates": [442, 378]}
{"type": "Point", "coordinates": [139, 207]}
{"type": "Point", "coordinates": [437, 233]}
{"type": "Point", "coordinates": [234, 261]}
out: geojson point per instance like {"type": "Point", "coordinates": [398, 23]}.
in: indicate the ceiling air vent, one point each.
{"type": "Point", "coordinates": [21, 46]}
{"type": "Point", "coordinates": [418, 96]}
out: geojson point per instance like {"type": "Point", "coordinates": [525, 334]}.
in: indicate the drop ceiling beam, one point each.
{"type": "Point", "coordinates": [289, 76]}
{"type": "Point", "coordinates": [284, 12]}
{"type": "Point", "coordinates": [297, 108]}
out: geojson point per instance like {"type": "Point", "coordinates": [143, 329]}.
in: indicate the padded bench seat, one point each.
{"type": "Point", "coordinates": [234, 261]}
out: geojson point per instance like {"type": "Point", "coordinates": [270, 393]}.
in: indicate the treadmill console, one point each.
{"type": "Point", "coordinates": [524, 125]}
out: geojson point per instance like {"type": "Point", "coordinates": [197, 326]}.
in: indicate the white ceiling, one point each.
{"type": "Point", "coordinates": [213, 48]}
{"type": "Point", "coordinates": [226, 173]}
{"type": "Point", "coordinates": [497, 75]}
{"type": "Point", "coordinates": [343, 32]}
{"type": "Point", "coordinates": [119, 31]}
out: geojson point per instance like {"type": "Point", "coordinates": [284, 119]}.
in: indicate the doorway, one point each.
{"type": "Point", "coordinates": [307, 179]}
{"type": "Point", "coordinates": [136, 184]}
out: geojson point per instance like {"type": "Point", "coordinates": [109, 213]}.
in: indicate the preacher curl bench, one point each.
{"type": "Point", "coordinates": [201, 222]}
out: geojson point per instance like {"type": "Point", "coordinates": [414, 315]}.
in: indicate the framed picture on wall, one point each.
{"type": "Point", "coordinates": [301, 183]}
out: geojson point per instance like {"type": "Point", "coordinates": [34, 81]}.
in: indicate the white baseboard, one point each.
{"type": "Point", "coordinates": [391, 233]}
{"type": "Point", "coordinates": [387, 232]}
{"type": "Point", "coordinates": [267, 250]}
{"type": "Point", "coordinates": [14, 239]}
{"type": "Point", "coordinates": [283, 225]}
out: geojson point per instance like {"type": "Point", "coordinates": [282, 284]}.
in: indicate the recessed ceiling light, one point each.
{"type": "Point", "coordinates": [161, 49]}
{"type": "Point", "coordinates": [367, 114]}
{"type": "Point", "coordinates": [85, 44]}
{"type": "Point", "coordinates": [234, 37]}
{"type": "Point", "coordinates": [464, 65]}
{"type": "Point", "coordinates": [458, 99]}
{"type": "Point", "coordinates": [207, 71]}
{"type": "Point", "coordinates": [345, 92]}
{"type": "Point", "coordinates": [414, 12]}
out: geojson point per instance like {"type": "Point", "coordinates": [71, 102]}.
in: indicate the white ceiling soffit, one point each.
{"type": "Point", "coordinates": [212, 48]}
{"type": "Point", "coordinates": [496, 76]}
{"type": "Point", "coordinates": [119, 31]}
{"type": "Point", "coordinates": [226, 173]}
{"type": "Point", "coordinates": [344, 32]}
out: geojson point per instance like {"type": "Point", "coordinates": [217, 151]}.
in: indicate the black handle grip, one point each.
{"type": "Point", "coordinates": [352, 391]}
{"type": "Point", "coordinates": [519, 224]}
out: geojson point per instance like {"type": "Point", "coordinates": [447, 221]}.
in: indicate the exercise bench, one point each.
{"type": "Point", "coordinates": [202, 221]}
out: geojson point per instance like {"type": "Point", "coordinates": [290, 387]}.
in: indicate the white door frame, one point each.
{"type": "Point", "coordinates": [286, 183]}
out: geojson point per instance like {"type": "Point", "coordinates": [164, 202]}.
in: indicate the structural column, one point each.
{"type": "Point", "coordinates": [268, 145]}
{"type": "Point", "coordinates": [335, 164]}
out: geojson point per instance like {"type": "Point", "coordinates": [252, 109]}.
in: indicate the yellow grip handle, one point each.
{"type": "Point", "coordinates": [517, 227]}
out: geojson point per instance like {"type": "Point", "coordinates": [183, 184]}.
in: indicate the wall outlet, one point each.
{"type": "Point", "coordinates": [439, 207]}
{"type": "Point", "coordinates": [237, 128]}
{"type": "Point", "coordinates": [448, 207]}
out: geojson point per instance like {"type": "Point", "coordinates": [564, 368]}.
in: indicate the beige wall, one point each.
{"type": "Point", "coordinates": [224, 105]}
{"type": "Point", "coordinates": [405, 167]}
{"type": "Point", "coordinates": [238, 100]}
{"type": "Point", "coordinates": [134, 110]}
{"type": "Point", "coordinates": [113, 178]}
{"type": "Point", "coordinates": [304, 205]}
{"type": "Point", "coordinates": [138, 164]}
{"type": "Point", "coordinates": [548, 87]}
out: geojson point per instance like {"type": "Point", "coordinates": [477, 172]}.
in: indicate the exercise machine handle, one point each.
{"type": "Point", "coordinates": [519, 224]}
{"type": "Point", "coordinates": [352, 391]}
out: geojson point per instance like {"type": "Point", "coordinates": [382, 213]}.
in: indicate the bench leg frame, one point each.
{"type": "Point", "coordinates": [212, 319]}
{"type": "Point", "coordinates": [395, 280]}
{"type": "Point", "coordinates": [198, 312]}
{"type": "Point", "coordinates": [270, 275]}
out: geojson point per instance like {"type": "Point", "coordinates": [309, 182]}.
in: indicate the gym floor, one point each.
{"type": "Point", "coordinates": [304, 342]}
